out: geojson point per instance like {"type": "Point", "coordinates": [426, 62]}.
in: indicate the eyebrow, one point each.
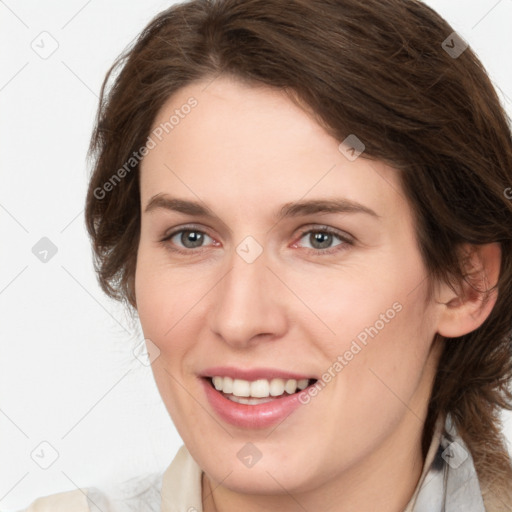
{"type": "Point", "coordinates": [293, 209]}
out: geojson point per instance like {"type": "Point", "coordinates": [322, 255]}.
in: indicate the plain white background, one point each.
{"type": "Point", "coordinates": [69, 378]}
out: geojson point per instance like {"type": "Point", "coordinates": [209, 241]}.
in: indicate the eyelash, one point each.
{"type": "Point", "coordinates": [345, 239]}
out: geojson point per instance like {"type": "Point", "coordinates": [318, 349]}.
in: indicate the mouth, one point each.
{"type": "Point", "coordinates": [258, 391]}
{"type": "Point", "coordinates": [254, 402]}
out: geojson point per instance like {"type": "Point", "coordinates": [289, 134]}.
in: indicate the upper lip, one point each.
{"type": "Point", "coordinates": [252, 374]}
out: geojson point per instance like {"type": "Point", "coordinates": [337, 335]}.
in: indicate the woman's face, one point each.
{"type": "Point", "coordinates": [268, 258]}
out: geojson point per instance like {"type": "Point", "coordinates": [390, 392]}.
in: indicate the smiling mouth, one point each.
{"type": "Point", "coordinates": [258, 391]}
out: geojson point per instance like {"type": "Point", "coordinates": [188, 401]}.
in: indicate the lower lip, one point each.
{"type": "Point", "coordinates": [250, 416]}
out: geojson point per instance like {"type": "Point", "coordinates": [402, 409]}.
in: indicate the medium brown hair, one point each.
{"type": "Point", "coordinates": [374, 68]}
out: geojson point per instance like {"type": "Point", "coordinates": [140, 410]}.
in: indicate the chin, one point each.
{"type": "Point", "coordinates": [272, 473]}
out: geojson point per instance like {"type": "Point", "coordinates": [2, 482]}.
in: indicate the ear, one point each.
{"type": "Point", "coordinates": [466, 308]}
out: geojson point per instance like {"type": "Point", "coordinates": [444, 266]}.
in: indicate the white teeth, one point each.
{"type": "Point", "coordinates": [302, 384]}
{"type": "Point", "coordinates": [290, 386]}
{"type": "Point", "coordinates": [217, 382]}
{"type": "Point", "coordinates": [227, 385]}
{"type": "Point", "coordinates": [277, 387]}
{"type": "Point", "coordinates": [249, 401]}
{"type": "Point", "coordinates": [241, 387]}
{"type": "Point", "coordinates": [260, 389]}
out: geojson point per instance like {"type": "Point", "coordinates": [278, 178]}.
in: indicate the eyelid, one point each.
{"type": "Point", "coordinates": [187, 227]}
{"type": "Point", "coordinates": [343, 235]}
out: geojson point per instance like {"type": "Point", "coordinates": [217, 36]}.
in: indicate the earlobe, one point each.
{"type": "Point", "coordinates": [466, 308]}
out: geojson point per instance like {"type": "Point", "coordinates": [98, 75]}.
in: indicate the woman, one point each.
{"type": "Point", "coordinates": [306, 205]}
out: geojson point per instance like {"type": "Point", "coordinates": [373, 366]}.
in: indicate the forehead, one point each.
{"type": "Point", "coordinates": [255, 143]}
{"type": "Point", "coordinates": [258, 120]}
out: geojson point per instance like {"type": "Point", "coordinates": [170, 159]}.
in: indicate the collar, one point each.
{"type": "Point", "coordinates": [449, 482]}
{"type": "Point", "coordinates": [181, 484]}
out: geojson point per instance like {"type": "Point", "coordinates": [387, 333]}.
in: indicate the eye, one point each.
{"type": "Point", "coordinates": [321, 240]}
{"type": "Point", "coordinates": [186, 239]}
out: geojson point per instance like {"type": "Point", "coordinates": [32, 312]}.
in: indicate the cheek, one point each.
{"type": "Point", "coordinates": [366, 304]}
{"type": "Point", "coordinates": [382, 329]}
{"type": "Point", "coordinates": [165, 296]}
{"type": "Point", "coordinates": [383, 365]}
{"type": "Point", "coordinates": [165, 305]}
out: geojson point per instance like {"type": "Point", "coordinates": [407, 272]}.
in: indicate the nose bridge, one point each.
{"type": "Point", "coordinates": [245, 301]}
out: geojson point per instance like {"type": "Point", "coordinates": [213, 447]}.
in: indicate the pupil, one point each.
{"type": "Point", "coordinates": [323, 239]}
{"type": "Point", "coordinates": [191, 239]}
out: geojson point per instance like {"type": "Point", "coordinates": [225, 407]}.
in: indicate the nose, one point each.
{"type": "Point", "coordinates": [248, 304]}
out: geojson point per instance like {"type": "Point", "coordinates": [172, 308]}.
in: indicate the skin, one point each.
{"type": "Point", "coordinates": [245, 151]}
